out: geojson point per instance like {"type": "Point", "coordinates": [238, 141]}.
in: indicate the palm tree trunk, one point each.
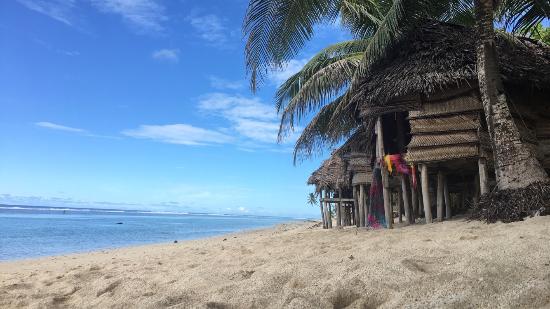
{"type": "Point", "coordinates": [515, 165]}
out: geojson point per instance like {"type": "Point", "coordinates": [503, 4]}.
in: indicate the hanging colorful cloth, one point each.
{"type": "Point", "coordinates": [376, 217]}
{"type": "Point", "coordinates": [413, 173]}
{"type": "Point", "coordinates": [397, 160]}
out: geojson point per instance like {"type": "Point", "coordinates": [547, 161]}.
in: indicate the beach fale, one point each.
{"type": "Point", "coordinates": [421, 108]}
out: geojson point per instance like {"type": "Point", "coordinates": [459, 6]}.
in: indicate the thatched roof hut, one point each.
{"type": "Point", "coordinates": [431, 74]}
{"type": "Point", "coordinates": [331, 175]}
{"type": "Point", "coordinates": [438, 57]}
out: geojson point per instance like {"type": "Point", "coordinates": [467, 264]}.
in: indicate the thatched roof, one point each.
{"type": "Point", "coordinates": [332, 174]}
{"type": "Point", "coordinates": [440, 56]}
{"type": "Point", "coordinates": [350, 158]}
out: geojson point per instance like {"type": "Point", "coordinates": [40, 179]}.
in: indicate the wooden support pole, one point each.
{"type": "Point", "coordinates": [322, 210]}
{"type": "Point", "coordinates": [400, 205]}
{"type": "Point", "coordinates": [405, 194]}
{"type": "Point", "coordinates": [426, 193]}
{"type": "Point", "coordinates": [328, 212]}
{"type": "Point", "coordinates": [385, 181]}
{"type": "Point", "coordinates": [366, 205]}
{"type": "Point", "coordinates": [447, 198]}
{"type": "Point", "coordinates": [362, 205]}
{"type": "Point", "coordinates": [483, 177]}
{"type": "Point", "coordinates": [440, 200]}
{"type": "Point", "coordinates": [414, 199]}
{"type": "Point", "coordinates": [356, 207]}
{"type": "Point", "coordinates": [338, 210]}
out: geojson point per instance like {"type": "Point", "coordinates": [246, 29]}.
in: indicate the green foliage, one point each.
{"type": "Point", "coordinates": [540, 33]}
{"type": "Point", "coordinates": [277, 29]}
{"type": "Point", "coordinates": [312, 199]}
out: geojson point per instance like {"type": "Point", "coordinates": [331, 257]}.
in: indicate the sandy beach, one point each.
{"type": "Point", "coordinates": [454, 264]}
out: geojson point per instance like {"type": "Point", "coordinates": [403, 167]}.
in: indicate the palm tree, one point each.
{"type": "Point", "coordinates": [277, 29]}
{"type": "Point", "coordinates": [312, 200]}
{"type": "Point", "coordinates": [515, 165]}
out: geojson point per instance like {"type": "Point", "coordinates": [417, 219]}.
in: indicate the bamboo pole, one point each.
{"type": "Point", "coordinates": [483, 177]}
{"type": "Point", "coordinates": [426, 193]}
{"type": "Point", "coordinates": [385, 181]}
{"type": "Point", "coordinates": [440, 201]}
{"type": "Point", "coordinates": [447, 199]}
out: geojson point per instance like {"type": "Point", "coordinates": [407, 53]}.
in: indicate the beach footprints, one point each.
{"type": "Point", "coordinates": [416, 266]}
{"type": "Point", "coordinates": [109, 288]}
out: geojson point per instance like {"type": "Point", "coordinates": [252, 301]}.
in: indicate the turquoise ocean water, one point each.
{"type": "Point", "coordinates": [27, 232]}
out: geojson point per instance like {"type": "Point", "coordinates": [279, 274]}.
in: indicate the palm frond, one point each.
{"type": "Point", "coordinates": [277, 29]}
{"type": "Point", "coordinates": [523, 15]}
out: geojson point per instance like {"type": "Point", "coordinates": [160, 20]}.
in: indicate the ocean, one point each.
{"type": "Point", "coordinates": [31, 231]}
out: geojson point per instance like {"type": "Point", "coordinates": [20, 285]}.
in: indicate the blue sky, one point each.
{"type": "Point", "coordinates": [142, 104]}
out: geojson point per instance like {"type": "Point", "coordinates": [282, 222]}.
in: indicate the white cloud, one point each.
{"type": "Point", "coordinates": [292, 67]}
{"type": "Point", "coordinates": [183, 134]}
{"type": "Point", "coordinates": [210, 28]}
{"type": "Point", "coordinates": [60, 10]}
{"type": "Point", "coordinates": [171, 55]}
{"type": "Point", "coordinates": [144, 15]}
{"type": "Point", "coordinates": [54, 126]}
{"type": "Point", "coordinates": [220, 83]}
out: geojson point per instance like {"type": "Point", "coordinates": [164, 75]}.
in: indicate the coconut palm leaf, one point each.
{"type": "Point", "coordinates": [523, 15]}
{"type": "Point", "coordinates": [278, 29]}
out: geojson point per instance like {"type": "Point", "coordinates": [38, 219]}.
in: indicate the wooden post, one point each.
{"type": "Point", "coordinates": [440, 201]}
{"type": "Point", "coordinates": [414, 199]}
{"type": "Point", "coordinates": [385, 180]}
{"type": "Point", "coordinates": [366, 208]}
{"type": "Point", "coordinates": [328, 212]}
{"type": "Point", "coordinates": [405, 193]}
{"type": "Point", "coordinates": [322, 210]}
{"type": "Point", "coordinates": [447, 198]}
{"type": "Point", "coordinates": [356, 207]}
{"type": "Point", "coordinates": [362, 221]}
{"type": "Point", "coordinates": [399, 205]}
{"type": "Point", "coordinates": [426, 193]}
{"type": "Point", "coordinates": [338, 210]}
{"type": "Point", "coordinates": [483, 177]}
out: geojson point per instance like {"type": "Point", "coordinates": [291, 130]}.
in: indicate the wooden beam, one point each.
{"type": "Point", "coordinates": [328, 212]}
{"type": "Point", "coordinates": [447, 199]}
{"type": "Point", "coordinates": [385, 181]}
{"type": "Point", "coordinates": [426, 193]}
{"type": "Point", "coordinates": [483, 177]}
{"type": "Point", "coordinates": [361, 205]}
{"type": "Point", "coordinates": [356, 207]}
{"type": "Point", "coordinates": [440, 201]}
{"type": "Point", "coordinates": [366, 202]}
{"type": "Point", "coordinates": [400, 205]}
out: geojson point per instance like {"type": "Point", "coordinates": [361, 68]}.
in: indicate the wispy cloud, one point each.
{"type": "Point", "coordinates": [183, 134]}
{"type": "Point", "coordinates": [60, 10]}
{"type": "Point", "coordinates": [292, 67]}
{"type": "Point", "coordinates": [222, 84]}
{"type": "Point", "coordinates": [70, 53]}
{"type": "Point", "coordinates": [145, 16]}
{"type": "Point", "coordinates": [60, 127]}
{"type": "Point", "coordinates": [211, 29]}
{"type": "Point", "coordinates": [250, 125]}
{"type": "Point", "coordinates": [171, 55]}
{"type": "Point", "coordinates": [54, 126]}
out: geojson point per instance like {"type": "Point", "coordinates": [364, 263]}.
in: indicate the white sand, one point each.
{"type": "Point", "coordinates": [451, 264]}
